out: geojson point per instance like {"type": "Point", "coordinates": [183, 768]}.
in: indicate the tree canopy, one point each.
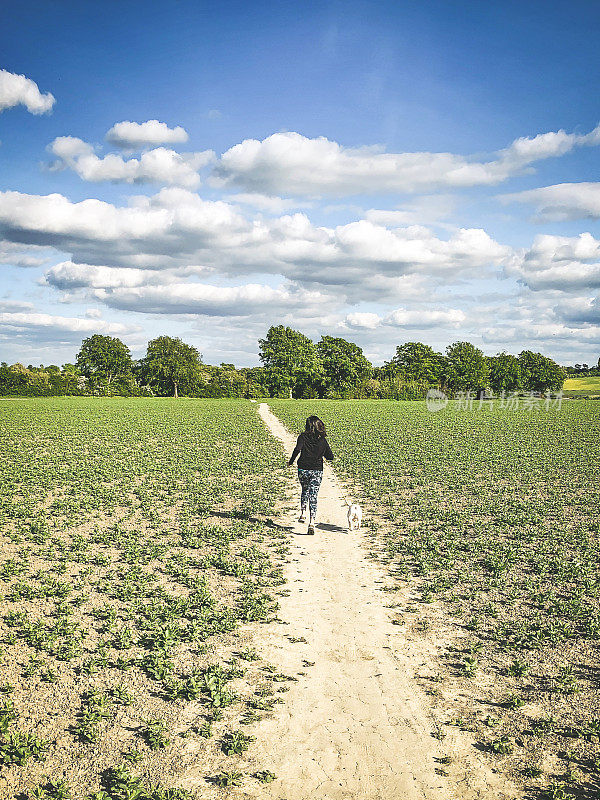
{"type": "Point", "coordinates": [505, 372]}
{"type": "Point", "coordinates": [540, 373]}
{"type": "Point", "coordinates": [344, 365]}
{"type": "Point", "coordinates": [104, 358]}
{"type": "Point", "coordinates": [291, 360]}
{"type": "Point", "coordinates": [170, 363]}
{"type": "Point", "coordinates": [418, 362]}
{"type": "Point", "coordinates": [466, 367]}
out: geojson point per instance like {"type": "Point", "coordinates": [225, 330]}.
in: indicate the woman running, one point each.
{"type": "Point", "coordinates": [312, 445]}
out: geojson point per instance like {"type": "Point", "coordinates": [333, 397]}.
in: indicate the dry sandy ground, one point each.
{"type": "Point", "coordinates": [355, 725]}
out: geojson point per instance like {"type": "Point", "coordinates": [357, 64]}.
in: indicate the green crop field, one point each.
{"type": "Point", "coordinates": [137, 551]}
{"type": "Point", "coordinates": [133, 554]}
{"type": "Point", "coordinates": [582, 386]}
{"type": "Point", "coordinates": [492, 515]}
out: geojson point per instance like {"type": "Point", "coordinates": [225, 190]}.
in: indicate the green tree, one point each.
{"type": "Point", "coordinates": [256, 381]}
{"type": "Point", "coordinates": [416, 361]}
{"type": "Point", "coordinates": [539, 373]}
{"type": "Point", "coordinates": [505, 372]}
{"type": "Point", "coordinates": [292, 362]}
{"type": "Point", "coordinates": [345, 367]}
{"type": "Point", "coordinates": [466, 367]}
{"type": "Point", "coordinates": [170, 364]}
{"type": "Point", "coordinates": [225, 381]}
{"type": "Point", "coordinates": [104, 358]}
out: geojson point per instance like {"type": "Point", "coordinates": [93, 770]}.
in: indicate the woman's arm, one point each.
{"type": "Point", "coordinates": [328, 454]}
{"type": "Point", "coordinates": [296, 452]}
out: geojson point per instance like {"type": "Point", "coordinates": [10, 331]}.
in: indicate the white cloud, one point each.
{"type": "Point", "coordinates": [155, 232]}
{"type": "Point", "coordinates": [530, 333]}
{"type": "Point", "coordinates": [25, 256]}
{"type": "Point", "coordinates": [269, 203]}
{"type": "Point", "coordinates": [68, 276]}
{"type": "Point", "coordinates": [55, 325]}
{"type": "Point", "coordinates": [363, 319]}
{"type": "Point", "coordinates": [426, 318]}
{"type": "Point", "coordinates": [154, 166]}
{"type": "Point", "coordinates": [289, 163]}
{"type": "Point", "coordinates": [563, 201]}
{"type": "Point", "coordinates": [559, 263]}
{"type": "Point", "coordinates": [176, 228]}
{"type": "Point", "coordinates": [420, 318]}
{"type": "Point", "coordinates": [18, 90]}
{"type": "Point", "coordinates": [582, 311]}
{"type": "Point", "coordinates": [208, 300]}
{"type": "Point", "coordinates": [135, 135]}
{"type": "Point", "coordinates": [15, 305]}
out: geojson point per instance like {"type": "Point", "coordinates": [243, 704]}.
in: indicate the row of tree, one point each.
{"type": "Point", "coordinates": [292, 366]}
{"type": "Point", "coordinates": [583, 370]}
{"type": "Point", "coordinates": [335, 367]}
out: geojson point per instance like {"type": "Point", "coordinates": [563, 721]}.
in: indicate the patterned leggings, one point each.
{"type": "Point", "coordinates": [310, 480]}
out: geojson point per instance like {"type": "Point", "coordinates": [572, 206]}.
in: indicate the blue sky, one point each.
{"type": "Point", "coordinates": [386, 172]}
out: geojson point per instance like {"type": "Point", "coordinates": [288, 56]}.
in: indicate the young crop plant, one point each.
{"type": "Point", "coordinates": [265, 776]}
{"type": "Point", "coordinates": [134, 543]}
{"type": "Point", "coordinates": [95, 708]}
{"type": "Point", "coordinates": [118, 783]}
{"type": "Point", "coordinates": [236, 743]}
{"type": "Point", "coordinates": [230, 778]}
{"type": "Point", "coordinates": [18, 747]}
{"type": "Point", "coordinates": [154, 734]}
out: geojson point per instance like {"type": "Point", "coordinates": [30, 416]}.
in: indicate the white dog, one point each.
{"type": "Point", "coordinates": [354, 516]}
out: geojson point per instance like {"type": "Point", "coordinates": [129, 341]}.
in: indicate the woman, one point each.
{"type": "Point", "coordinates": [312, 445]}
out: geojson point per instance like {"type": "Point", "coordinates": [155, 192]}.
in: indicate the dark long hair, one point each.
{"type": "Point", "coordinates": [315, 427]}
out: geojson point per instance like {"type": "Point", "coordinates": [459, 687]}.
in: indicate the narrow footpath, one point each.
{"type": "Point", "coordinates": [355, 724]}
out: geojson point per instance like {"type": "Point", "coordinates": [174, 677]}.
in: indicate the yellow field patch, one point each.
{"type": "Point", "coordinates": [587, 384]}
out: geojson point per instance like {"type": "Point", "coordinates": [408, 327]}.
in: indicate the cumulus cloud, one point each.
{"type": "Point", "coordinates": [579, 311]}
{"type": "Point", "coordinates": [208, 300]}
{"type": "Point", "coordinates": [136, 135]}
{"type": "Point", "coordinates": [57, 327]}
{"type": "Point", "coordinates": [365, 320]}
{"type": "Point", "coordinates": [559, 263]}
{"type": "Point", "coordinates": [529, 333]}
{"type": "Point", "coordinates": [153, 166]}
{"type": "Point", "coordinates": [408, 318]}
{"type": "Point", "coordinates": [18, 90]}
{"type": "Point", "coordinates": [426, 318]}
{"type": "Point", "coordinates": [563, 201]}
{"type": "Point", "coordinates": [176, 228]}
{"type": "Point", "coordinates": [155, 232]}
{"type": "Point", "coordinates": [25, 256]}
{"type": "Point", "coordinates": [289, 163]}
{"type": "Point", "coordinates": [68, 276]}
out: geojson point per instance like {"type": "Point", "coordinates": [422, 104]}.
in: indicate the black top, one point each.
{"type": "Point", "coordinates": [311, 449]}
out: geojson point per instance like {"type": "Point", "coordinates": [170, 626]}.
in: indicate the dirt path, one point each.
{"type": "Point", "coordinates": [355, 725]}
